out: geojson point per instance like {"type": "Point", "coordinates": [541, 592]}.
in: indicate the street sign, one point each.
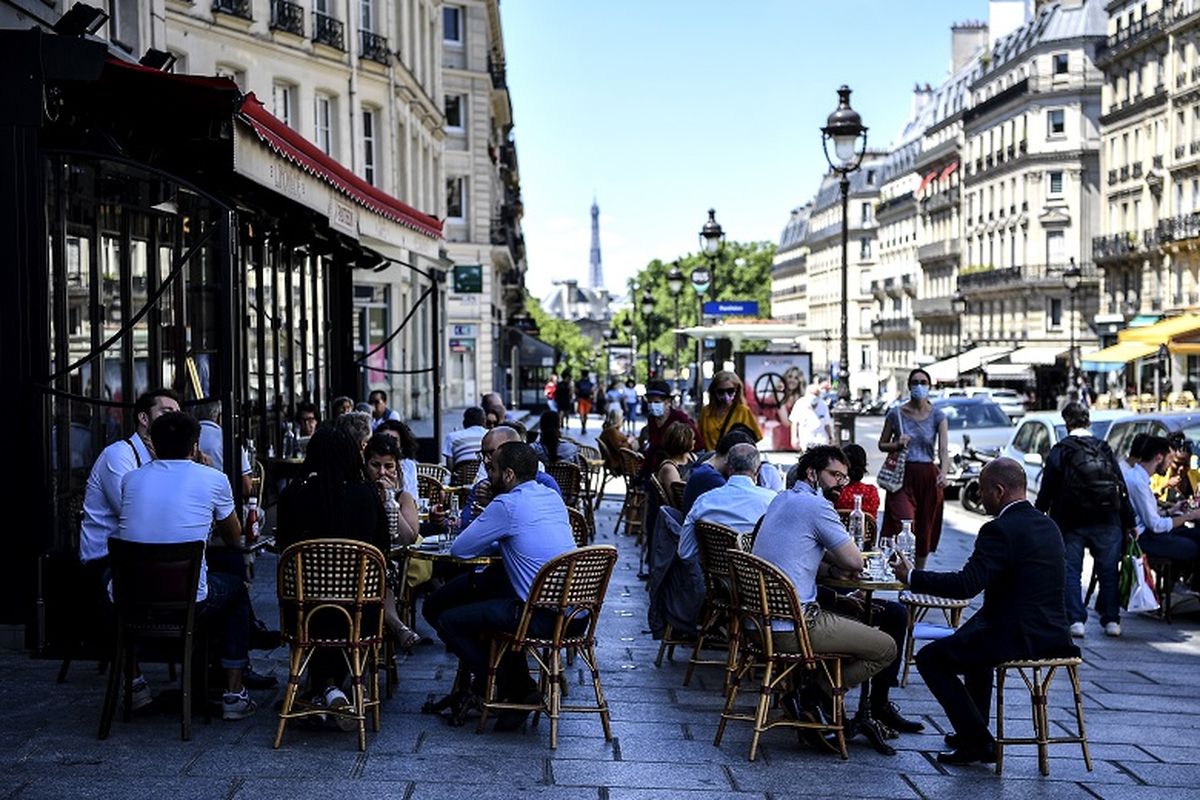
{"type": "Point", "coordinates": [741, 308]}
{"type": "Point", "coordinates": [468, 278]}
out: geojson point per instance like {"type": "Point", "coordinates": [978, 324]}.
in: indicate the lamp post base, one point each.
{"type": "Point", "coordinates": [843, 423]}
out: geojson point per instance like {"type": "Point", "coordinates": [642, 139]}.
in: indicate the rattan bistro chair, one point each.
{"type": "Point", "coordinates": [635, 495]}
{"type": "Point", "coordinates": [579, 527]}
{"type": "Point", "coordinates": [918, 607]}
{"type": "Point", "coordinates": [324, 585]}
{"type": "Point", "coordinates": [430, 488]}
{"type": "Point", "coordinates": [763, 595]}
{"type": "Point", "coordinates": [1039, 690]}
{"type": "Point", "coordinates": [714, 543]}
{"type": "Point", "coordinates": [436, 471]}
{"type": "Point", "coordinates": [870, 530]}
{"type": "Point", "coordinates": [466, 470]}
{"type": "Point", "coordinates": [570, 589]}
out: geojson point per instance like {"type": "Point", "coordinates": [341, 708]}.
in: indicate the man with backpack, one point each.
{"type": "Point", "coordinates": [1084, 493]}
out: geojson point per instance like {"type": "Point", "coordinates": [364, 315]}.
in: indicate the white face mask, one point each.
{"type": "Point", "coordinates": [657, 409]}
{"type": "Point", "coordinates": [919, 392]}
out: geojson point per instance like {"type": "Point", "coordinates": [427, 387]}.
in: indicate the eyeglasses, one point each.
{"type": "Point", "coordinates": [726, 392]}
{"type": "Point", "coordinates": [837, 475]}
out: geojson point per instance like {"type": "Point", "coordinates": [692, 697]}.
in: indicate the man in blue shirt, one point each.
{"type": "Point", "coordinates": [492, 441]}
{"type": "Point", "coordinates": [526, 524]}
{"type": "Point", "coordinates": [739, 504]}
{"type": "Point", "coordinates": [711, 474]}
{"type": "Point", "coordinates": [1159, 536]}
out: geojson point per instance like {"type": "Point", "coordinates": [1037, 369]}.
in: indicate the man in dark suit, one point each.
{"type": "Point", "coordinates": [1018, 564]}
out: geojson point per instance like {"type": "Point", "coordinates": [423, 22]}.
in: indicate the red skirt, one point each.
{"type": "Point", "coordinates": [921, 500]}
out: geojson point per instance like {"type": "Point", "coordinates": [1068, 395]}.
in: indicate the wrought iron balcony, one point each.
{"type": "Point", "coordinates": [287, 17]}
{"type": "Point", "coordinates": [1115, 245]}
{"type": "Point", "coordinates": [933, 307]}
{"type": "Point", "coordinates": [1179, 228]}
{"type": "Point", "coordinates": [941, 201]}
{"type": "Point", "coordinates": [374, 47]}
{"type": "Point", "coordinates": [1136, 31]}
{"type": "Point", "coordinates": [934, 251]}
{"type": "Point", "coordinates": [1019, 278]}
{"type": "Point", "coordinates": [236, 8]}
{"type": "Point", "coordinates": [328, 31]}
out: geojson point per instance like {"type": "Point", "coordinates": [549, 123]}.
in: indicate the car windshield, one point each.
{"type": "Point", "coordinates": [1193, 435]}
{"type": "Point", "coordinates": [965, 416]}
{"type": "Point", "coordinates": [1098, 430]}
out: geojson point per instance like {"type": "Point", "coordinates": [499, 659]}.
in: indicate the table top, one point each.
{"type": "Point", "coordinates": [430, 550]}
{"type": "Point", "coordinates": [865, 583]}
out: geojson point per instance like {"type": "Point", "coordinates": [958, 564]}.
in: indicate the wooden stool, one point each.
{"type": "Point", "coordinates": [1039, 692]}
{"type": "Point", "coordinates": [918, 606]}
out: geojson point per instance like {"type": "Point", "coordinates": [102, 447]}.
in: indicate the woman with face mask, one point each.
{"type": "Point", "coordinates": [919, 429]}
{"type": "Point", "coordinates": [726, 408]}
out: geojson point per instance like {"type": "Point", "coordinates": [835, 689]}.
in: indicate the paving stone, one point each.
{"type": "Point", "coordinates": [1180, 775]}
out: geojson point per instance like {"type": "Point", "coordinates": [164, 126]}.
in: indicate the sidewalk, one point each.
{"type": "Point", "coordinates": [1142, 701]}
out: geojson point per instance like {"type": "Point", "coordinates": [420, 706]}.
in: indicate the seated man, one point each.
{"type": "Point", "coordinates": [710, 474]}
{"type": "Point", "coordinates": [1160, 536]}
{"type": "Point", "coordinates": [739, 504]}
{"type": "Point", "coordinates": [1018, 565]}
{"type": "Point", "coordinates": [800, 531]}
{"type": "Point", "coordinates": [497, 436]}
{"type": "Point", "coordinates": [464, 445]}
{"type": "Point", "coordinates": [174, 499]}
{"type": "Point", "coordinates": [527, 524]}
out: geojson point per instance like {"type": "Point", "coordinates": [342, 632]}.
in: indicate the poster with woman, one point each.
{"type": "Point", "coordinates": [774, 382]}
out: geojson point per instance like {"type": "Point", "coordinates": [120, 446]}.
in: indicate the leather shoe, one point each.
{"type": "Point", "coordinates": [982, 753]}
{"type": "Point", "coordinates": [890, 716]}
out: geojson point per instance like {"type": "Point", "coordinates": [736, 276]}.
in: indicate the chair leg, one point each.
{"type": "Point", "coordinates": [206, 681]}
{"type": "Point", "coordinates": [296, 660]}
{"type": "Point", "coordinates": [1001, 672]}
{"type": "Point", "coordinates": [1040, 718]}
{"type": "Point", "coordinates": [114, 686]}
{"type": "Point", "coordinates": [839, 708]}
{"type": "Point", "coordinates": [731, 652]}
{"type": "Point", "coordinates": [909, 646]}
{"type": "Point", "coordinates": [543, 687]}
{"type": "Point", "coordinates": [662, 646]}
{"type": "Point", "coordinates": [709, 616]}
{"type": "Point", "coordinates": [600, 701]}
{"type": "Point", "coordinates": [1073, 674]}
{"type": "Point", "coordinates": [360, 709]}
{"type": "Point", "coordinates": [555, 696]}
{"type": "Point", "coordinates": [375, 710]}
{"type": "Point", "coordinates": [760, 713]}
{"type": "Point", "coordinates": [127, 702]}
{"type": "Point", "coordinates": [731, 691]}
{"type": "Point", "coordinates": [495, 653]}
{"type": "Point", "coordinates": [186, 689]}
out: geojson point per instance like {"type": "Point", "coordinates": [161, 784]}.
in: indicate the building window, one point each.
{"type": "Point", "coordinates": [370, 154]}
{"type": "Point", "coordinates": [870, 177]}
{"type": "Point", "coordinates": [864, 248]}
{"type": "Point", "coordinates": [866, 358]}
{"type": "Point", "coordinates": [323, 123]}
{"type": "Point", "coordinates": [1056, 122]}
{"type": "Point", "coordinates": [1056, 247]}
{"type": "Point", "coordinates": [452, 28]}
{"type": "Point", "coordinates": [367, 11]}
{"type": "Point", "coordinates": [283, 103]}
{"type": "Point", "coordinates": [321, 6]}
{"type": "Point", "coordinates": [456, 190]}
{"type": "Point", "coordinates": [232, 73]}
{"type": "Point", "coordinates": [1054, 312]}
{"type": "Point", "coordinates": [454, 112]}
{"type": "Point", "coordinates": [866, 213]}
{"type": "Point", "coordinates": [1061, 62]}
{"type": "Point", "coordinates": [1056, 183]}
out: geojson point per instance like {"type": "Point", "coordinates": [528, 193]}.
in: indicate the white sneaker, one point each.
{"type": "Point", "coordinates": [140, 692]}
{"type": "Point", "coordinates": [336, 700]}
{"type": "Point", "coordinates": [1112, 629]}
{"type": "Point", "coordinates": [237, 705]}
{"type": "Point", "coordinates": [1077, 630]}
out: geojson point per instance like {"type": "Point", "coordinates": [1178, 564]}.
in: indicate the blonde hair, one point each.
{"type": "Point", "coordinates": [614, 417]}
{"type": "Point", "coordinates": [726, 376]}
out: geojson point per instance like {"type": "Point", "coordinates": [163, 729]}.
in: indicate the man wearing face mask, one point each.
{"type": "Point", "coordinates": [662, 414]}
{"type": "Point", "coordinates": [803, 535]}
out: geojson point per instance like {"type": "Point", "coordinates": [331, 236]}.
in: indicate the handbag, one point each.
{"type": "Point", "coordinates": [1136, 581]}
{"type": "Point", "coordinates": [891, 475]}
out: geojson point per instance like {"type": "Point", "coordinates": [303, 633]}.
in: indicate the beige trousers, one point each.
{"type": "Point", "coordinates": [870, 649]}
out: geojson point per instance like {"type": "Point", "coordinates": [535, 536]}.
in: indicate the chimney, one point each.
{"type": "Point", "coordinates": [921, 97]}
{"type": "Point", "coordinates": [966, 39]}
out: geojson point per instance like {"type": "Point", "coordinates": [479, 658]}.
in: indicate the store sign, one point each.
{"type": "Point", "coordinates": [462, 345]}
{"type": "Point", "coordinates": [468, 278]}
{"type": "Point", "coordinates": [722, 308]}
{"type": "Point", "coordinates": [462, 330]}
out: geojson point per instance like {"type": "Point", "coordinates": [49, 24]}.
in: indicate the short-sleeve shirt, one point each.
{"type": "Point", "coordinates": [212, 444]}
{"type": "Point", "coordinates": [464, 445]}
{"type": "Point", "coordinates": [798, 528]}
{"type": "Point", "coordinates": [170, 501]}
{"type": "Point", "coordinates": [102, 498]}
{"type": "Point", "coordinates": [922, 449]}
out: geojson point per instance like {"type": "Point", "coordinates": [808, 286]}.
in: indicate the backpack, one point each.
{"type": "Point", "coordinates": [1090, 480]}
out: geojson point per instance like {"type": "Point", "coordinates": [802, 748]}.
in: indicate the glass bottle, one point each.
{"type": "Point", "coordinates": [856, 525]}
{"type": "Point", "coordinates": [906, 541]}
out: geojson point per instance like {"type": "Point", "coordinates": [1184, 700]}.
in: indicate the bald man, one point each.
{"type": "Point", "coordinates": [501, 434]}
{"type": "Point", "coordinates": [1018, 565]}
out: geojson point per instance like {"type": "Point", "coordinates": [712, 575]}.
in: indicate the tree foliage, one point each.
{"type": "Point", "coordinates": [575, 349]}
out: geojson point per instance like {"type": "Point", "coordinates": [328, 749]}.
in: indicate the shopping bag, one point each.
{"type": "Point", "coordinates": [1131, 563]}
{"type": "Point", "coordinates": [1143, 598]}
{"type": "Point", "coordinates": [891, 475]}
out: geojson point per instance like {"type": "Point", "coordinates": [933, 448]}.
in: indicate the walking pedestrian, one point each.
{"type": "Point", "coordinates": [563, 398]}
{"type": "Point", "coordinates": [584, 392]}
{"type": "Point", "coordinates": [631, 405]}
{"type": "Point", "coordinates": [921, 430]}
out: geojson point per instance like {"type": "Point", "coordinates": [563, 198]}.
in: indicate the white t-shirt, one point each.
{"type": "Point", "coordinates": [463, 445]}
{"type": "Point", "coordinates": [809, 417]}
{"type": "Point", "coordinates": [212, 444]}
{"type": "Point", "coordinates": [173, 501]}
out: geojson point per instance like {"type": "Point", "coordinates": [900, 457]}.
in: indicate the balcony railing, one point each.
{"type": "Point", "coordinates": [1179, 228]}
{"type": "Point", "coordinates": [236, 8]}
{"type": "Point", "coordinates": [944, 249]}
{"type": "Point", "coordinates": [985, 276]}
{"type": "Point", "coordinates": [1135, 32]}
{"type": "Point", "coordinates": [940, 201]}
{"type": "Point", "coordinates": [933, 307]}
{"type": "Point", "coordinates": [1116, 245]}
{"type": "Point", "coordinates": [373, 46]}
{"type": "Point", "coordinates": [498, 73]}
{"type": "Point", "coordinates": [328, 31]}
{"type": "Point", "coordinates": [287, 17]}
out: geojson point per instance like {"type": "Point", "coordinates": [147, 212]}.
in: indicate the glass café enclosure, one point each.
{"type": "Point", "coordinates": [142, 251]}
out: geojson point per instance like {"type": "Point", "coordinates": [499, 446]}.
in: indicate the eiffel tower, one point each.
{"type": "Point", "coordinates": [596, 275]}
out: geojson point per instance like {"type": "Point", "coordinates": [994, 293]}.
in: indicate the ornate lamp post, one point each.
{"type": "Point", "coordinates": [701, 281]}
{"type": "Point", "coordinates": [844, 129]}
{"type": "Point", "coordinates": [631, 338]}
{"type": "Point", "coordinates": [958, 303]}
{"type": "Point", "coordinates": [648, 304]}
{"type": "Point", "coordinates": [1072, 277]}
{"type": "Point", "coordinates": [711, 239]}
{"type": "Point", "coordinates": [675, 281]}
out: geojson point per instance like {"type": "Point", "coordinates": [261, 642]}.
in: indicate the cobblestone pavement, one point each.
{"type": "Point", "coordinates": [1141, 697]}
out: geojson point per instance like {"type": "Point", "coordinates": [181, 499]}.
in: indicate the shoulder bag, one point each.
{"type": "Point", "coordinates": [891, 475]}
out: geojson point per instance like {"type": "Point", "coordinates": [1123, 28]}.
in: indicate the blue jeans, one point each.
{"type": "Point", "coordinates": [226, 611]}
{"type": "Point", "coordinates": [1104, 542]}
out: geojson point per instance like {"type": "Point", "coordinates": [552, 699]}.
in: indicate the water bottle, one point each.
{"type": "Point", "coordinates": [251, 528]}
{"type": "Point", "coordinates": [857, 523]}
{"type": "Point", "coordinates": [289, 441]}
{"type": "Point", "coordinates": [391, 509]}
{"type": "Point", "coordinates": [906, 541]}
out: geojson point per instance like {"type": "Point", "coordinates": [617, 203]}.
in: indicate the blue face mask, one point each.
{"type": "Point", "coordinates": [657, 409]}
{"type": "Point", "coordinates": [920, 391]}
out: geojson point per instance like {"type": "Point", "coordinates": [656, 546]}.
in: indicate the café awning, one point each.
{"type": "Point", "coordinates": [1164, 331]}
{"type": "Point", "coordinates": [1008, 372]}
{"type": "Point", "coordinates": [1113, 358]}
{"type": "Point", "coordinates": [738, 332]}
{"type": "Point", "coordinates": [1037, 355]}
{"type": "Point", "coordinates": [948, 369]}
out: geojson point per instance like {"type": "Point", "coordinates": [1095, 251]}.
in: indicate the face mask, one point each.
{"type": "Point", "coordinates": [658, 409]}
{"type": "Point", "coordinates": [920, 391]}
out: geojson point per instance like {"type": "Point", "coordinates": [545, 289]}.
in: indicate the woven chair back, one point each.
{"type": "Point", "coordinates": [676, 492]}
{"type": "Point", "coordinates": [572, 586]}
{"type": "Point", "coordinates": [429, 488]}
{"type": "Point", "coordinates": [870, 530]}
{"type": "Point", "coordinates": [569, 478]}
{"type": "Point", "coordinates": [631, 462]}
{"type": "Point", "coordinates": [587, 452]}
{"type": "Point", "coordinates": [763, 594]}
{"type": "Point", "coordinates": [579, 527]}
{"type": "Point", "coordinates": [714, 543]}
{"type": "Point", "coordinates": [664, 498]}
{"type": "Point", "coordinates": [341, 578]}
{"type": "Point", "coordinates": [435, 471]}
{"type": "Point", "coordinates": [465, 471]}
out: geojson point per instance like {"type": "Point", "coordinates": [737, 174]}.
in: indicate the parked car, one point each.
{"type": "Point", "coordinates": [1010, 401]}
{"type": "Point", "coordinates": [976, 420]}
{"type": "Point", "coordinates": [1040, 431]}
{"type": "Point", "coordinates": [1120, 435]}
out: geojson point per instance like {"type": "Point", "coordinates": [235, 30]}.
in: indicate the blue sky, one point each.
{"type": "Point", "coordinates": [664, 108]}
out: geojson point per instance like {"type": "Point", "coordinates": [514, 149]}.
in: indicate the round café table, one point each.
{"type": "Point", "coordinates": [863, 722]}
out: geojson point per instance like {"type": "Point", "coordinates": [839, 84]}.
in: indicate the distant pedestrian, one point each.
{"type": "Point", "coordinates": [549, 391]}
{"type": "Point", "coordinates": [584, 393]}
{"type": "Point", "coordinates": [1082, 491]}
{"type": "Point", "coordinates": [921, 430]}
{"type": "Point", "coordinates": [631, 405]}
{"type": "Point", "coordinates": [812, 424]}
{"type": "Point", "coordinates": [564, 398]}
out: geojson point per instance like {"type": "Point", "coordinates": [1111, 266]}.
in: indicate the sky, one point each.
{"type": "Point", "coordinates": [661, 109]}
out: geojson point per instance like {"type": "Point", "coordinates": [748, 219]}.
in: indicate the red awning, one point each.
{"type": "Point", "coordinates": [926, 181]}
{"type": "Point", "coordinates": [949, 170]}
{"type": "Point", "coordinates": [290, 145]}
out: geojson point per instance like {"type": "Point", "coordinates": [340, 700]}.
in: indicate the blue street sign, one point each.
{"type": "Point", "coordinates": [741, 308]}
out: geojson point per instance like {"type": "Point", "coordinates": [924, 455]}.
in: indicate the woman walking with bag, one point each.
{"type": "Point", "coordinates": [917, 443]}
{"type": "Point", "coordinates": [726, 408]}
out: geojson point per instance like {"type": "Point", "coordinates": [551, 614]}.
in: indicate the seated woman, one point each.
{"type": "Point", "coordinates": [409, 447]}
{"type": "Point", "coordinates": [332, 501]}
{"type": "Point", "coordinates": [678, 441]}
{"type": "Point", "coordinates": [614, 437]}
{"type": "Point", "coordinates": [856, 469]}
{"type": "Point", "coordinates": [550, 446]}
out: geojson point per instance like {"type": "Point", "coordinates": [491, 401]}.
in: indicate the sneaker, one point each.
{"type": "Point", "coordinates": [1112, 629]}
{"type": "Point", "coordinates": [140, 693]}
{"type": "Point", "coordinates": [237, 705]}
{"type": "Point", "coordinates": [1077, 630]}
{"type": "Point", "coordinates": [336, 700]}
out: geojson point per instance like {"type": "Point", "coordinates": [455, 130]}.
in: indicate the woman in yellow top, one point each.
{"type": "Point", "coordinates": [1180, 481]}
{"type": "Point", "coordinates": [726, 408]}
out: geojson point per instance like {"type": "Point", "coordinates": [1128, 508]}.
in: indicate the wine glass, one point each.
{"type": "Point", "coordinates": [887, 546]}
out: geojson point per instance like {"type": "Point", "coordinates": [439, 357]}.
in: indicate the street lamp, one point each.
{"type": "Point", "coordinates": [675, 281]}
{"type": "Point", "coordinates": [648, 304]}
{"type": "Point", "coordinates": [958, 303]}
{"type": "Point", "coordinates": [844, 129]}
{"type": "Point", "coordinates": [631, 338]}
{"type": "Point", "coordinates": [701, 281]}
{"type": "Point", "coordinates": [1072, 277]}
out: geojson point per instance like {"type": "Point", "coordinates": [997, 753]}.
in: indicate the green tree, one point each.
{"type": "Point", "coordinates": [575, 349]}
{"type": "Point", "coordinates": [742, 271]}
